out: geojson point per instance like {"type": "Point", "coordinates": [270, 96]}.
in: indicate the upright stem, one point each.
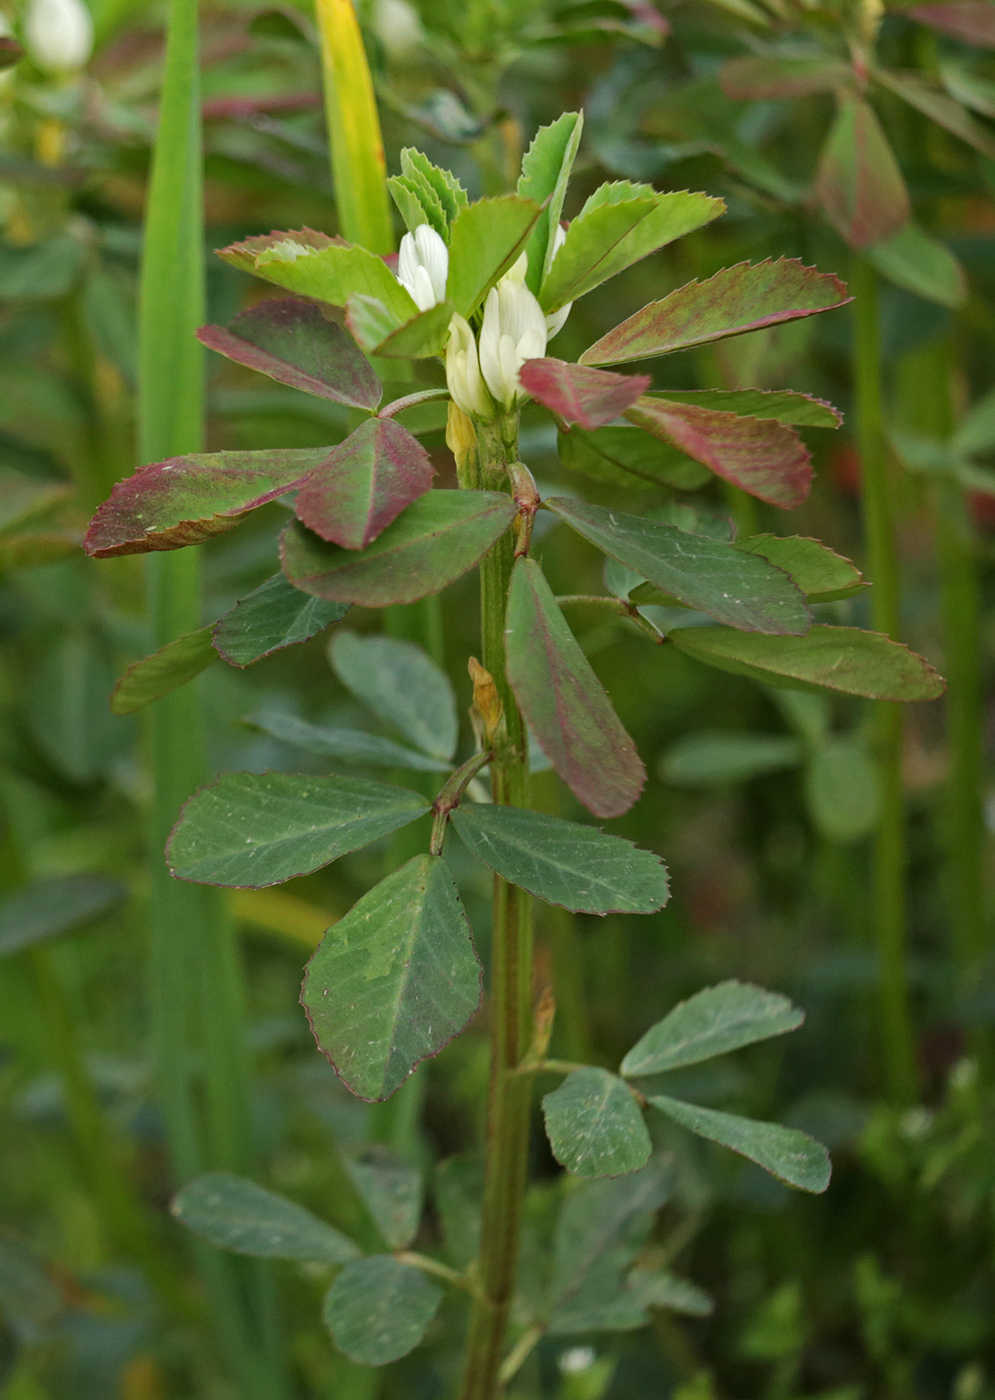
{"type": "Point", "coordinates": [509, 1093]}
{"type": "Point", "coordinates": [194, 976]}
{"type": "Point", "coordinates": [890, 922]}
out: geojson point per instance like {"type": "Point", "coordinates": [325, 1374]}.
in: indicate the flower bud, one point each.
{"type": "Point", "coordinates": [423, 266]}
{"type": "Point", "coordinates": [514, 330]}
{"type": "Point", "coordinates": [556, 322]}
{"type": "Point", "coordinates": [58, 35]}
{"type": "Point", "coordinates": [463, 371]}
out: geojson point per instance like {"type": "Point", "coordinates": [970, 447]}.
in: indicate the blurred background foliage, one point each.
{"type": "Point", "coordinates": [765, 803]}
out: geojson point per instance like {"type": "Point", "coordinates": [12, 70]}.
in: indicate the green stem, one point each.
{"type": "Point", "coordinates": [890, 920]}
{"type": "Point", "coordinates": [195, 982]}
{"type": "Point", "coordinates": [509, 1093]}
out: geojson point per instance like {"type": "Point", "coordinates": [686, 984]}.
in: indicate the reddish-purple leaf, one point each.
{"type": "Point", "coordinates": [364, 484]}
{"type": "Point", "coordinates": [973, 21]}
{"type": "Point", "coordinates": [563, 701]}
{"type": "Point", "coordinates": [859, 184]}
{"type": "Point", "coordinates": [737, 299]}
{"type": "Point", "coordinates": [188, 499]}
{"type": "Point", "coordinates": [427, 547]}
{"type": "Point", "coordinates": [763, 78]}
{"type": "Point", "coordinates": [764, 457]}
{"type": "Point", "coordinates": [591, 398]}
{"type": "Point", "coordinates": [292, 341]}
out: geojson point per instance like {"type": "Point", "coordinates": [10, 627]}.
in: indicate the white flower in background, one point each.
{"type": "Point", "coordinates": [556, 322]}
{"type": "Point", "coordinates": [463, 371]}
{"type": "Point", "coordinates": [58, 35]}
{"type": "Point", "coordinates": [423, 266]}
{"type": "Point", "coordinates": [514, 331]}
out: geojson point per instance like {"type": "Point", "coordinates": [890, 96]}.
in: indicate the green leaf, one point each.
{"type": "Point", "coordinates": [439, 537]}
{"type": "Point", "coordinates": [249, 830]}
{"type": "Point", "coordinates": [186, 500]}
{"type": "Point", "coordinates": [595, 1126]}
{"type": "Point", "coordinates": [976, 433]}
{"type": "Point", "coordinates": [545, 175]}
{"type": "Point", "coordinates": [348, 745]}
{"type": "Point", "coordinates": [49, 907]}
{"type": "Point", "coordinates": [736, 300]}
{"type": "Point", "coordinates": [164, 671]}
{"type": "Point", "coordinates": [432, 180]}
{"type": "Point", "coordinates": [402, 685]}
{"type": "Point", "coordinates": [940, 108]}
{"type": "Point", "coordinates": [771, 77]}
{"type": "Point", "coordinates": [364, 483]}
{"type": "Point", "coordinates": [619, 454]}
{"type": "Point", "coordinates": [42, 271]}
{"type": "Point", "coordinates": [712, 1022]}
{"type": "Point", "coordinates": [379, 332]}
{"type": "Point", "coordinates": [234, 1213]}
{"type": "Point", "coordinates": [610, 234]}
{"type": "Point", "coordinates": [920, 264]}
{"type": "Point", "coordinates": [377, 1309]}
{"type": "Point", "coordinates": [578, 867]}
{"type": "Point", "coordinates": [23, 498]}
{"type": "Point", "coordinates": [791, 1156]}
{"type": "Point", "coordinates": [418, 204]}
{"type": "Point", "coordinates": [313, 265]}
{"type": "Point", "coordinates": [459, 1194]}
{"type": "Point", "coordinates": [272, 616]}
{"type": "Point", "coordinates": [392, 1193]}
{"type": "Point", "coordinates": [563, 701]}
{"type": "Point", "coordinates": [842, 791]}
{"type": "Point", "coordinates": [784, 405]}
{"type": "Point", "coordinates": [717, 758]}
{"type": "Point", "coordinates": [968, 20]}
{"type": "Point", "coordinates": [657, 1289]}
{"type": "Point", "coordinates": [700, 572]}
{"type": "Point", "coordinates": [294, 343]}
{"type": "Point", "coordinates": [601, 1227]}
{"type": "Point", "coordinates": [822, 575]}
{"type": "Point", "coordinates": [967, 87]}
{"type": "Point", "coordinates": [395, 980]}
{"type": "Point", "coordinates": [859, 183]}
{"type": "Point", "coordinates": [485, 240]}
{"type": "Point", "coordinates": [760, 455]}
{"type": "Point", "coordinates": [827, 658]}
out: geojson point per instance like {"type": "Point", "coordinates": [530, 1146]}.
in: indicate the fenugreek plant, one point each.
{"type": "Point", "coordinates": [480, 288]}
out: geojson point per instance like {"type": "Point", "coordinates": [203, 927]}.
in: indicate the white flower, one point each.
{"type": "Point", "coordinates": [556, 321]}
{"type": "Point", "coordinates": [514, 331]}
{"type": "Point", "coordinates": [58, 35]}
{"type": "Point", "coordinates": [463, 371]}
{"type": "Point", "coordinates": [423, 266]}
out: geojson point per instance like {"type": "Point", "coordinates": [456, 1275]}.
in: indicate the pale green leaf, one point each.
{"type": "Point", "coordinates": [377, 1309]}
{"type": "Point", "coordinates": [402, 685]}
{"type": "Point", "coordinates": [234, 1213]}
{"type": "Point", "coordinates": [791, 1156]}
{"type": "Point", "coordinates": [726, 757]}
{"type": "Point", "coordinates": [712, 1022]}
{"type": "Point", "coordinates": [842, 791]}
{"type": "Point", "coordinates": [347, 745]}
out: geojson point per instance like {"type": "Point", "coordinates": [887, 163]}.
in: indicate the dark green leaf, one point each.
{"type": "Point", "coordinates": [348, 745]}
{"type": "Point", "coordinates": [828, 658]}
{"type": "Point", "coordinates": [164, 671]}
{"type": "Point", "coordinates": [662, 1290]}
{"type": "Point", "coordinates": [716, 758]}
{"type": "Point", "coordinates": [392, 1193]}
{"type": "Point", "coordinates": [595, 1126]}
{"type": "Point", "coordinates": [703, 573]}
{"type": "Point", "coordinates": [364, 483]}
{"type": "Point", "coordinates": [377, 1309]}
{"type": "Point", "coordinates": [273, 616]}
{"type": "Point", "coordinates": [395, 980]}
{"type": "Point", "coordinates": [545, 174]}
{"type": "Point", "coordinates": [485, 240]}
{"type": "Point", "coordinates": [234, 1213]}
{"type": "Point", "coordinates": [50, 907]}
{"type": "Point", "coordinates": [859, 183]}
{"type": "Point", "coordinates": [563, 701]}
{"type": "Point", "coordinates": [439, 537]}
{"type": "Point", "coordinates": [402, 685]}
{"type": "Point", "coordinates": [250, 830]}
{"type": "Point", "coordinates": [821, 574]}
{"type": "Point", "coordinates": [459, 1194]}
{"type": "Point", "coordinates": [712, 1022]}
{"type": "Point", "coordinates": [627, 457]}
{"type": "Point", "coordinates": [841, 788]}
{"type": "Point", "coordinates": [565, 863]}
{"type": "Point", "coordinates": [292, 342]}
{"type": "Point", "coordinates": [185, 500]}
{"type": "Point", "coordinates": [793, 1157]}
{"type": "Point", "coordinates": [737, 299]}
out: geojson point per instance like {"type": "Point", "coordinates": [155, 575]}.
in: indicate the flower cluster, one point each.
{"type": "Point", "coordinates": [482, 374]}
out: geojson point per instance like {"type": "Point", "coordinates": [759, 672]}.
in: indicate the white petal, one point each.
{"type": "Point", "coordinates": [58, 35]}
{"type": "Point", "coordinates": [556, 322]}
{"type": "Point", "coordinates": [434, 257]}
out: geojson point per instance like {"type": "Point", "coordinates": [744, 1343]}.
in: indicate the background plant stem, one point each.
{"type": "Point", "coordinates": [195, 988]}
{"type": "Point", "coordinates": [509, 1092]}
{"type": "Point", "coordinates": [889, 908]}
